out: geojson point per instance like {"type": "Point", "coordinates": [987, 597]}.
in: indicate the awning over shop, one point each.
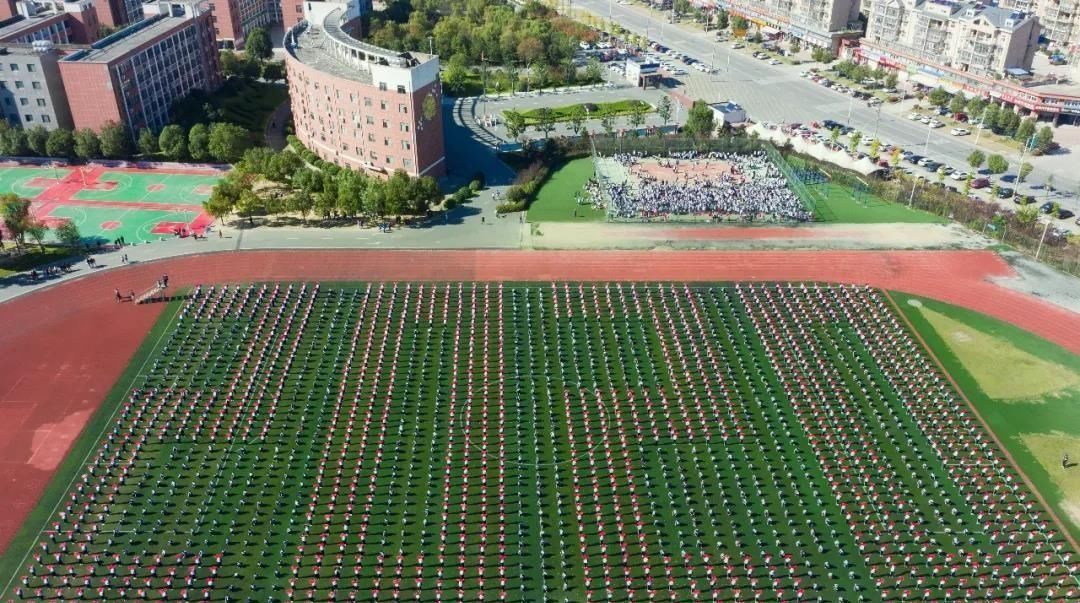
{"type": "Point", "coordinates": [925, 80]}
{"type": "Point", "coordinates": [769, 31]}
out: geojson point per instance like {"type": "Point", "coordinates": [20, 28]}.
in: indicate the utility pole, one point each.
{"type": "Point", "coordinates": [877, 122]}
{"type": "Point", "coordinates": [982, 124]}
{"type": "Point", "coordinates": [1038, 250]}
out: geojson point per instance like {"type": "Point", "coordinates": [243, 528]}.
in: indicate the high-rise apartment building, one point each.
{"type": "Point", "coordinates": [31, 91]}
{"type": "Point", "coordinates": [1059, 20]}
{"type": "Point", "coordinates": [58, 22]}
{"type": "Point", "coordinates": [233, 19]}
{"type": "Point", "coordinates": [820, 23]}
{"type": "Point", "coordinates": [358, 105]}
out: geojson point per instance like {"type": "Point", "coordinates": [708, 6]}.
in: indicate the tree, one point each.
{"type": "Point", "coordinates": [577, 119]}
{"type": "Point", "coordinates": [1044, 139]}
{"type": "Point", "coordinates": [456, 76]}
{"type": "Point", "coordinates": [230, 64]}
{"type": "Point", "coordinates": [115, 141]}
{"type": "Point", "coordinates": [199, 142]}
{"type": "Point", "coordinates": [1025, 130]}
{"type": "Point", "coordinates": [989, 116]}
{"type": "Point", "coordinates": [172, 142]}
{"type": "Point", "coordinates": [13, 142]}
{"type": "Point", "coordinates": [37, 230]}
{"type": "Point", "coordinates": [282, 166]}
{"type": "Point", "coordinates": [663, 109]}
{"type": "Point", "coordinates": [61, 143]}
{"type": "Point", "coordinates": [894, 160]}
{"type": "Point", "coordinates": [68, 234]}
{"type": "Point", "coordinates": [957, 104]}
{"type": "Point", "coordinates": [938, 97]}
{"type": "Point", "coordinates": [226, 195]}
{"type": "Point", "coordinates": [700, 120]}
{"type": "Point", "coordinates": [593, 72]}
{"type": "Point", "coordinates": [834, 136]}
{"type": "Point", "coordinates": [515, 124]}
{"type": "Point", "coordinates": [875, 149]}
{"type": "Point", "coordinates": [997, 164]}
{"type": "Point", "coordinates": [273, 71]}
{"type": "Point", "coordinates": [607, 123]}
{"type": "Point", "coordinates": [301, 202]}
{"type": "Point", "coordinates": [637, 117]}
{"type": "Point", "coordinates": [87, 144]}
{"type": "Point", "coordinates": [722, 20]}
{"type": "Point", "coordinates": [227, 142]}
{"type": "Point", "coordinates": [976, 159]}
{"type": "Point", "coordinates": [855, 139]}
{"type": "Point", "coordinates": [1027, 214]}
{"type": "Point", "coordinates": [250, 204]}
{"type": "Point", "coordinates": [36, 139]}
{"type": "Point", "coordinates": [257, 44]}
{"type": "Point", "coordinates": [795, 46]}
{"type": "Point", "coordinates": [148, 143]}
{"type": "Point", "coordinates": [891, 79]}
{"type": "Point", "coordinates": [15, 212]}
{"type": "Point", "coordinates": [1024, 171]}
{"type": "Point", "coordinates": [545, 120]}
{"type": "Point", "coordinates": [967, 183]}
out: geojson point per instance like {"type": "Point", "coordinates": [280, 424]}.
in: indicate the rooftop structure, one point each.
{"type": "Point", "coordinates": [58, 22]}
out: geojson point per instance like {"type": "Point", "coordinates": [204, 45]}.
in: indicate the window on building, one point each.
{"type": "Point", "coordinates": [41, 102]}
{"type": "Point", "coordinates": [24, 101]}
{"type": "Point", "coordinates": [373, 156]}
{"type": "Point", "coordinates": [29, 118]}
{"type": "Point", "coordinates": [367, 101]}
{"type": "Point", "coordinates": [370, 119]}
{"type": "Point", "coordinates": [19, 85]}
{"type": "Point", "coordinates": [403, 108]}
{"type": "Point", "coordinates": [30, 67]}
{"type": "Point", "coordinates": [405, 144]}
{"type": "Point", "coordinates": [382, 105]}
{"type": "Point", "coordinates": [46, 118]}
{"type": "Point", "coordinates": [404, 127]}
{"type": "Point", "coordinates": [401, 89]}
{"type": "Point", "coordinates": [385, 123]}
{"type": "Point", "coordinates": [386, 142]}
{"type": "Point", "coordinates": [371, 137]}
{"type": "Point", "coordinates": [35, 85]}
{"type": "Point", "coordinates": [13, 67]}
{"type": "Point", "coordinates": [406, 162]}
{"type": "Point", "coordinates": [382, 86]}
{"type": "Point", "coordinates": [389, 159]}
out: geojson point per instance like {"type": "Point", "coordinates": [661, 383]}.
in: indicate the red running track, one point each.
{"type": "Point", "coordinates": [65, 346]}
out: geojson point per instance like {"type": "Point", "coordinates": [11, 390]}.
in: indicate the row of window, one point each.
{"type": "Point", "coordinates": [19, 85]}
{"type": "Point", "coordinates": [28, 118]}
{"type": "Point", "coordinates": [30, 67]}
{"type": "Point", "coordinates": [25, 102]}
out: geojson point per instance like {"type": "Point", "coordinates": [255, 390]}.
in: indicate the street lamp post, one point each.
{"type": "Point", "coordinates": [982, 124]}
{"type": "Point", "coordinates": [1028, 144]}
{"type": "Point", "coordinates": [926, 145]}
{"type": "Point", "coordinates": [1038, 249]}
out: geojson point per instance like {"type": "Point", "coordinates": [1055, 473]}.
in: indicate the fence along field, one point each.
{"type": "Point", "coordinates": [610, 441]}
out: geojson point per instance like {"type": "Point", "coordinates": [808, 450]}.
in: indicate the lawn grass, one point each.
{"type": "Point", "coordinates": [11, 563]}
{"type": "Point", "coordinates": [1014, 422]}
{"type": "Point", "coordinates": [246, 103]}
{"type": "Point", "coordinates": [555, 200]}
{"type": "Point", "coordinates": [840, 206]}
{"type": "Point", "coordinates": [601, 110]}
{"type": "Point", "coordinates": [34, 257]}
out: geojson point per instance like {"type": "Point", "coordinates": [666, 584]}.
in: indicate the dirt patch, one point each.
{"type": "Point", "coordinates": [1003, 371]}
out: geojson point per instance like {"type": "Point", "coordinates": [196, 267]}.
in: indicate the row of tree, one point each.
{"type": "Point", "coordinates": [266, 182]}
{"type": "Point", "coordinates": [858, 72]}
{"type": "Point", "coordinates": [491, 31]}
{"type": "Point", "coordinates": [222, 142]}
{"type": "Point", "coordinates": [1002, 121]}
{"type": "Point", "coordinates": [21, 223]}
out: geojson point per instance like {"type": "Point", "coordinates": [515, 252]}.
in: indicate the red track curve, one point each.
{"type": "Point", "coordinates": [64, 346]}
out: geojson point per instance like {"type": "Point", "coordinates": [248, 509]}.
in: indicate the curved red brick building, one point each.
{"type": "Point", "coordinates": [358, 105]}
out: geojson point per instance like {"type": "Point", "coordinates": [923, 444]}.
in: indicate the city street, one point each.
{"type": "Point", "coordinates": [777, 93]}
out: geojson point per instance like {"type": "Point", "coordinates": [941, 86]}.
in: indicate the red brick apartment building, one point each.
{"type": "Point", "coordinates": [133, 76]}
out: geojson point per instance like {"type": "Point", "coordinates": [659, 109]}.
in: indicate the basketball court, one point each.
{"type": "Point", "coordinates": [140, 205]}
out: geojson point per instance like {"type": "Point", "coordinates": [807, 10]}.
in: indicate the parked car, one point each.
{"type": "Point", "coordinates": [774, 61]}
{"type": "Point", "coordinates": [960, 117]}
{"type": "Point", "coordinates": [923, 161]}
{"type": "Point", "coordinates": [936, 124]}
{"type": "Point", "coordinates": [959, 176]}
{"type": "Point", "coordinates": [1047, 207]}
{"type": "Point", "coordinates": [737, 45]}
{"type": "Point", "coordinates": [946, 169]}
{"type": "Point", "coordinates": [1005, 192]}
{"type": "Point", "coordinates": [959, 131]}
{"type": "Point", "coordinates": [1024, 199]}
{"type": "Point", "coordinates": [1064, 214]}
{"type": "Point", "coordinates": [980, 183]}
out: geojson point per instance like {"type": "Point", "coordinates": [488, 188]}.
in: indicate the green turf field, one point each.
{"type": "Point", "coordinates": [175, 189]}
{"type": "Point", "coordinates": [135, 225]}
{"type": "Point", "coordinates": [555, 201]}
{"type": "Point", "coordinates": [528, 442]}
{"type": "Point", "coordinates": [1049, 409]}
{"type": "Point", "coordinates": [16, 179]}
{"type": "Point", "coordinates": [841, 206]}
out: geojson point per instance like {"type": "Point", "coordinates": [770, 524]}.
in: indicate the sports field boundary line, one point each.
{"type": "Point", "coordinates": [93, 447]}
{"type": "Point", "coordinates": [956, 386]}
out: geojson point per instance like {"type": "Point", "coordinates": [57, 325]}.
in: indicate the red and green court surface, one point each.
{"type": "Point", "coordinates": [138, 204]}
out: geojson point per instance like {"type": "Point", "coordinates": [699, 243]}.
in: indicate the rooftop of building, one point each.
{"type": "Point", "coordinates": [317, 45]}
{"type": "Point", "coordinates": [726, 106]}
{"type": "Point", "coordinates": [128, 39]}
{"type": "Point", "coordinates": [13, 27]}
{"type": "Point", "coordinates": [999, 18]}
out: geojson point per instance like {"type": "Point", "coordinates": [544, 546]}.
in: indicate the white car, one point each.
{"type": "Point", "coordinates": [774, 61]}
{"type": "Point", "coordinates": [936, 124]}
{"type": "Point", "coordinates": [737, 45]}
{"type": "Point", "coordinates": [959, 131]}
{"type": "Point", "coordinates": [915, 116]}
{"type": "Point", "coordinates": [959, 176]}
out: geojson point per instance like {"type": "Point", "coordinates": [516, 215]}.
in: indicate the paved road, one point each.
{"type": "Point", "coordinates": [777, 93]}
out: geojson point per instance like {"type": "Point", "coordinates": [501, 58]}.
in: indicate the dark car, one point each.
{"type": "Point", "coordinates": [914, 158]}
{"type": "Point", "coordinates": [1047, 207]}
{"type": "Point", "coordinates": [1064, 214]}
{"type": "Point", "coordinates": [1005, 192]}
{"type": "Point", "coordinates": [933, 166]}
{"type": "Point", "coordinates": [830, 124]}
{"type": "Point", "coordinates": [980, 183]}
{"type": "Point", "coordinates": [1024, 199]}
